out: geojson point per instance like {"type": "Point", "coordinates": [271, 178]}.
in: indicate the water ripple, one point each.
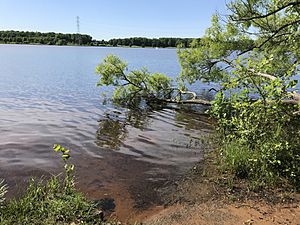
{"type": "Point", "coordinates": [48, 95]}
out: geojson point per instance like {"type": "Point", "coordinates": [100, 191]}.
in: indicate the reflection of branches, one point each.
{"type": "Point", "coordinates": [193, 120]}
{"type": "Point", "coordinates": [110, 133]}
{"type": "Point", "coordinates": [112, 128]}
{"type": "Point", "coordinates": [138, 118]}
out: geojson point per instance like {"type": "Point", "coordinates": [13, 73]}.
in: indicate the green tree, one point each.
{"type": "Point", "coordinates": [257, 106]}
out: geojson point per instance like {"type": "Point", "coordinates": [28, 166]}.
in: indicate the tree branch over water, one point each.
{"type": "Point", "coordinates": [253, 57]}
{"type": "Point", "coordinates": [138, 85]}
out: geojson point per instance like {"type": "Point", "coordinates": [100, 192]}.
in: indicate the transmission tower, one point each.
{"type": "Point", "coordinates": [78, 30]}
{"type": "Point", "coordinates": [78, 24]}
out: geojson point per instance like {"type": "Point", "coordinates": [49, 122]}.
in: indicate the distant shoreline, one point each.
{"type": "Point", "coordinates": [94, 46]}
{"type": "Point", "coordinates": [77, 39]}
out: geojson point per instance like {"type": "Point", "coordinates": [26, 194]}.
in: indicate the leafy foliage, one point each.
{"type": "Point", "coordinates": [133, 87]}
{"type": "Point", "coordinates": [69, 184]}
{"type": "Point", "coordinates": [259, 141]}
{"type": "Point", "coordinates": [47, 204]}
{"type": "Point", "coordinates": [256, 107]}
{"type": "Point", "coordinates": [51, 202]}
{"type": "Point", "coordinates": [3, 191]}
{"type": "Point", "coordinates": [206, 58]}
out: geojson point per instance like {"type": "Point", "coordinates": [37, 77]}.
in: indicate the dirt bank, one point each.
{"type": "Point", "coordinates": [215, 212]}
{"type": "Point", "coordinates": [201, 196]}
{"type": "Point", "coordinates": [204, 197]}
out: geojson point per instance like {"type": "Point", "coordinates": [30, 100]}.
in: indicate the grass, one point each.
{"type": "Point", "coordinates": [54, 201]}
{"type": "Point", "coordinates": [263, 167]}
{"type": "Point", "coordinates": [50, 203]}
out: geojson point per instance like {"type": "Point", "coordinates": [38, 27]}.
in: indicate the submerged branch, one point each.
{"type": "Point", "coordinates": [189, 101]}
{"type": "Point", "coordinates": [193, 100]}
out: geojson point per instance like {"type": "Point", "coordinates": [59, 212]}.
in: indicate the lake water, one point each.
{"type": "Point", "coordinates": [48, 95]}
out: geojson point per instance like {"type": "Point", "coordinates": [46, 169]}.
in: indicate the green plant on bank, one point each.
{"type": "Point", "coordinates": [3, 191]}
{"type": "Point", "coordinates": [50, 202]}
{"type": "Point", "coordinates": [259, 140]}
{"type": "Point", "coordinates": [253, 56]}
{"type": "Point", "coordinates": [257, 108]}
{"type": "Point", "coordinates": [69, 184]}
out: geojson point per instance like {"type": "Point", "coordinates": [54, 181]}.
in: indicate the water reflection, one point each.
{"type": "Point", "coordinates": [113, 127]}
{"type": "Point", "coordinates": [48, 95]}
{"type": "Point", "coordinates": [153, 129]}
{"type": "Point", "coordinates": [111, 133]}
{"type": "Point", "coordinates": [191, 118]}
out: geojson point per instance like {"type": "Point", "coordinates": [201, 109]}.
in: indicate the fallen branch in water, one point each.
{"type": "Point", "coordinates": [189, 101]}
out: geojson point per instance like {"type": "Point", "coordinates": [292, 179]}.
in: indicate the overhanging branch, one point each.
{"type": "Point", "coordinates": [268, 14]}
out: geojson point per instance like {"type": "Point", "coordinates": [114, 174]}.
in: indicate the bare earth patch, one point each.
{"type": "Point", "coordinates": [214, 212]}
{"type": "Point", "coordinates": [203, 197]}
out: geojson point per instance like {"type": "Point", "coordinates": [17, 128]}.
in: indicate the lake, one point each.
{"type": "Point", "coordinates": [48, 95]}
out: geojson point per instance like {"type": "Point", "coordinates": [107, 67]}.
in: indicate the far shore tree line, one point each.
{"type": "Point", "coordinates": [51, 38]}
{"type": "Point", "coordinates": [148, 42]}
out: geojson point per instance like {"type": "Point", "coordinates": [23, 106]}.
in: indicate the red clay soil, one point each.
{"type": "Point", "coordinates": [202, 197]}
{"type": "Point", "coordinates": [216, 213]}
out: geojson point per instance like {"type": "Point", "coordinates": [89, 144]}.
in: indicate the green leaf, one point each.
{"type": "Point", "coordinates": [65, 156]}
{"type": "Point", "coordinates": [56, 147]}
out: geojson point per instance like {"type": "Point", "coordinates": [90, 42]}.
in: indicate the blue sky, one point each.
{"type": "Point", "coordinates": [105, 19]}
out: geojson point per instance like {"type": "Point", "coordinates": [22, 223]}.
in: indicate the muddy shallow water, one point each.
{"type": "Point", "coordinates": [48, 95]}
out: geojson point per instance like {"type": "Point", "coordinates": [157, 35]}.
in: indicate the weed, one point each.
{"type": "Point", "coordinates": [50, 202]}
